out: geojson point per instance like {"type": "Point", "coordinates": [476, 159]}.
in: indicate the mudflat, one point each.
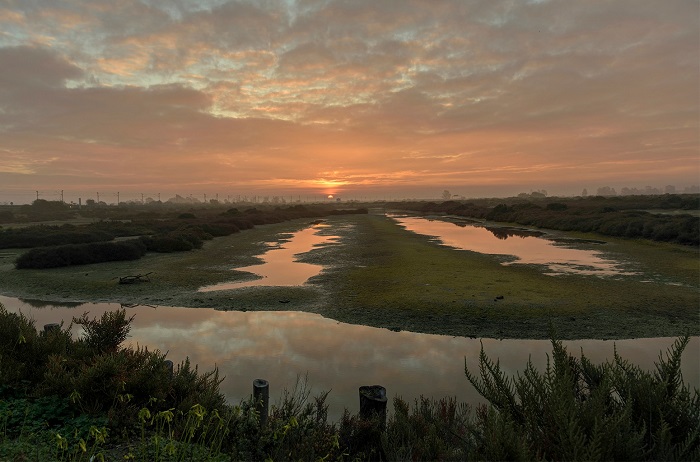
{"type": "Point", "coordinates": [379, 274]}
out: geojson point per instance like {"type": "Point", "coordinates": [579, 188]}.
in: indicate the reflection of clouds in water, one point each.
{"type": "Point", "coordinates": [279, 346]}
{"type": "Point", "coordinates": [528, 249]}
{"type": "Point", "coordinates": [279, 265]}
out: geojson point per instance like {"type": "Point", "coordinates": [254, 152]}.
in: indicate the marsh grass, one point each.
{"type": "Point", "coordinates": [402, 279]}
{"type": "Point", "coordinates": [382, 275]}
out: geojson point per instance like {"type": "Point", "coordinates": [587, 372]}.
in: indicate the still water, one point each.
{"type": "Point", "coordinates": [557, 257]}
{"type": "Point", "coordinates": [279, 266]}
{"type": "Point", "coordinates": [280, 346]}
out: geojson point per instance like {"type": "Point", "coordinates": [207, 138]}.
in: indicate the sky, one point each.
{"type": "Point", "coordinates": [358, 98]}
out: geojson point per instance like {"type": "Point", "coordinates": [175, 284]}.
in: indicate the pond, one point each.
{"type": "Point", "coordinates": [522, 246]}
{"type": "Point", "coordinates": [280, 346]}
{"type": "Point", "coordinates": [279, 266]}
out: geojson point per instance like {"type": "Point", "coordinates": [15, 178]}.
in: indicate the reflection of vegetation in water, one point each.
{"type": "Point", "coordinates": [610, 216]}
{"type": "Point", "coordinates": [44, 304]}
{"type": "Point", "coordinates": [531, 247]}
{"type": "Point", "coordinates": [504, 233]}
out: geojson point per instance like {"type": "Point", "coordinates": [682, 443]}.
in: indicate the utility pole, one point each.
{"type": "Point", "coordinates": [37, 195]}
{"type": "Point", "coordinates": [98, 198]}
{"type": "Point", "coordinates": [62, 196]}
{"type": "Point", "coordinates": [117, 197]}
{"type": "Point", "coordinates": [141, 198]}
{"type": "Point", "coordinates": [158, 197]}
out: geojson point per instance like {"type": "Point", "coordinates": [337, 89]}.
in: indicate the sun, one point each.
{"type": "Point", "coordinates": [330, 196]}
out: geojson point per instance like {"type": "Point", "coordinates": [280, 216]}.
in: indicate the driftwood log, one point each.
{"type": "Point", "coordinates": [135, 278]}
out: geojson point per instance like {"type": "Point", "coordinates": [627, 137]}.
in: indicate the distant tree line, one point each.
{"type": "Point", "coordinates": [618, 216]}
{"type": "Point", "coordinates": [56, 246]}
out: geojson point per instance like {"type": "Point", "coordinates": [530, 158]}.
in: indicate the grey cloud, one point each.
{"type": "Point", "coordinates": [24, 65]}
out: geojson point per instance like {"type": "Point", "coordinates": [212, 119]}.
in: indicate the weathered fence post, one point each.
{"type": "Point", "coordinates": [169, 366]}
{"type": "Point", "coordinates": [373, 402]}
{"type": "Point", "coordinates": [261, 396]}
{"type": "Point", "coordinates": [53, 327]}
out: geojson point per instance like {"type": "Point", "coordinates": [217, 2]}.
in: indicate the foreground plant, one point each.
{"type": "Point", "coordinates": [577, 410]}
{"type": "Point", "coordinates": [91, 399]}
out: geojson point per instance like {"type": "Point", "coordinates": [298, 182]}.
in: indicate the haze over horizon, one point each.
{"type": "Point", "coordinates": [373, 99]}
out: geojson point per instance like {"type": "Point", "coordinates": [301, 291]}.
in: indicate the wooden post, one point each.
{"type": "Point", "coordinates": [169, 366]}
{"type": "Point", "coordinates": [373, 402]}
{"type": "Point", "coordinates": [261, 396]}
{"type": "Point", "coordinates": [53, 327]}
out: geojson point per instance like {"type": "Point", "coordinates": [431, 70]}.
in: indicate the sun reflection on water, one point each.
{"type": "Point", "coordinates": [280, 266]}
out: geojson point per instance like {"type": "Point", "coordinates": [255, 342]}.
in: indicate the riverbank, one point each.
{"type": "Point", "coordinates": [379, 274]}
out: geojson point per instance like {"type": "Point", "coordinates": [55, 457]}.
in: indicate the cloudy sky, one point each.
{"type": "Point", "coordinates": [355, 98]}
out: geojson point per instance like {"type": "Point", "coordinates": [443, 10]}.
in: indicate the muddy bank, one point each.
{"type": "Point", "coordinates": [378, 274]}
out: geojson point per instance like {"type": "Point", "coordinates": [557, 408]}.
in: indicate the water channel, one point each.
{"type": "Point", "coordinates": [521, 247]}
{"type": "Point", "coordinates": [279, 266]}
{"type": "Point", "coordinates": [281, 346]}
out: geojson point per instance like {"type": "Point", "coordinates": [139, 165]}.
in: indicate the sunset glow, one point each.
{"type": "Point", "coordinates": [347, 98]}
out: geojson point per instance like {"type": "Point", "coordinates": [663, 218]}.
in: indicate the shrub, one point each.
{"type": "Point", "coordinates": [577, 410]}
{"type": "Point", "coordinates": [220, 229]}
{"type": "Point", "coordinates": [6, 216]}
{"type": "Point", "coordinates": [189, 387]}
{"type": "Point", "coordinates": [432, 430]}
{"type": "Point", "coordinates": [80, 254]}
{"type": "Point", "coordinates": [42, 236]}
{"type": "Point", "coordinates": [557, 206]}
{"type": "Point", "coordinates": [23, 351]}
{"type": "Point", "coordinates": [107, 333]}
{"type": "Point", "coordinates": [166, 244]}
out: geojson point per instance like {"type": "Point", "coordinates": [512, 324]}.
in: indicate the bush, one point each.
{"type": "Point", "coordinates": [557, 206]}
{"type": "Point", "coordinates": [6, 216]}
{"type": "Point", "coordinates": [577, 410]}
{"type": "Point", "coordinates": [23, 351]}
{"type": "Point", "coordinates": [167, 244]}
{"type": "Point", "coordinates": [107, 333]}
{"type": "Point", "coordinates": [80, 254]}
{"type": "Point", "coordinates": [42, 236]}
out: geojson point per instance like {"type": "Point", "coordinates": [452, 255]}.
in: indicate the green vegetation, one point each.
{"type": "Point", "coordinates": [610, 216]}
{"type": "Point", "coordinates": [81, 254]}
{"type": "Point", "coordinates": [67, 244]}
{"type": "Point", "coordinates": [67, 399]}
{"type": "Point", "coordinates": [407, 281]}
{"type": "Point", "coordinates": [382, 275]}
{"type": "Point", "coordinates": [43, 235]}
